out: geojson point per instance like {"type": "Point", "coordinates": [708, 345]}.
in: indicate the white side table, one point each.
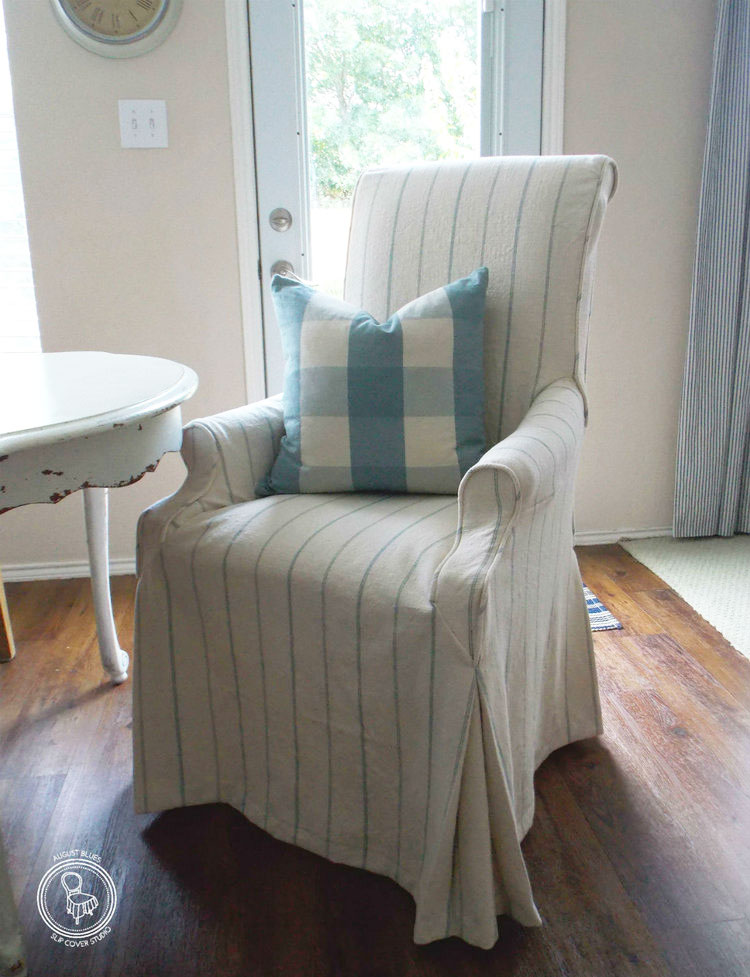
{"type": "Point", "coordinates": [71, 421]}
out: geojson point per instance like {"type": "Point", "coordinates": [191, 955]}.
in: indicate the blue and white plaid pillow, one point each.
{"type": "Point", "coordinates": [380, 407]}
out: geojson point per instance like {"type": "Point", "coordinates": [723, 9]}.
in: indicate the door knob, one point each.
{"type": "Point", "coordinates": [282, 268]}
{"type": "Point", "coordinates": [280, 219]}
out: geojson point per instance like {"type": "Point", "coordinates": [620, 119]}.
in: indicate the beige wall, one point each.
{"type": "Point", "coordinates": [136, 251]}
{"type": "Point", "coordinates": [133, 250]}
{"type": "Point", "coordinates": [638, 78]}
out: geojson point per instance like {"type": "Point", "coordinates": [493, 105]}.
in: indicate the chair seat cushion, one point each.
{"type": "Point", "coordinates": [290, 543]}
{"type": "Point", "coordinates": [380, 407]}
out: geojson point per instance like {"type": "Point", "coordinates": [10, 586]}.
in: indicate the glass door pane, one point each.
{"type": "Point", "coordinates": [387, 82]}
{"type": "Point", "coordinates": [342, 85]}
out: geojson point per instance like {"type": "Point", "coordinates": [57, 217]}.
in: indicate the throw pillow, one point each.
{"type": "Point", "coordinates": [380, 407]}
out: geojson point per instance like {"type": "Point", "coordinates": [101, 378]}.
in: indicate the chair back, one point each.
{"type": "Point", "coordinates": [533, 221]}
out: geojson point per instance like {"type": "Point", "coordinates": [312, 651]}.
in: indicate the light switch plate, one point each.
{"type": "Point", "coordinates": [143, 123]}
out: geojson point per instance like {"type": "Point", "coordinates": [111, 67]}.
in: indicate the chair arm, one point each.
{"type": "Point", "coordinates": [516, 482]}
{"type": "Point", "coordinates": [226, 455]}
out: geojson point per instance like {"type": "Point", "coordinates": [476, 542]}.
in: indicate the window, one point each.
{"type": "Point", "coordinates": [387, 82]}
{"type": "Point", "coordinates": [339, 86]}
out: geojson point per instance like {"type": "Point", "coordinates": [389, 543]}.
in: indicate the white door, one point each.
{"type": "Point", "coordinates": [340, 85]}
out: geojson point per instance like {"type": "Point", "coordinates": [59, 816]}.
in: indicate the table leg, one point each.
{"type": "Point", "coordinates": [7, 647]}
{"type": "Point", "coordinates": [114, 659]}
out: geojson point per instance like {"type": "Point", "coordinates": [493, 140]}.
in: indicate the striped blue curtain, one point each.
{"type": "Point", "coordinates": [712, 496]}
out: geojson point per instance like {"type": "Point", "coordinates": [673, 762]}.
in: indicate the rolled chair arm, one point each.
{"type": "Point", "coordinates": [516, 480]}
{"type": "Point", "coordinates": [226, 455]}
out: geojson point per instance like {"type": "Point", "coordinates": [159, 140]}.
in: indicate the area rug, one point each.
{"type": "Point", "coordinates": [601, 619]}
{"type": "Point", "coordinates": [712, 575]}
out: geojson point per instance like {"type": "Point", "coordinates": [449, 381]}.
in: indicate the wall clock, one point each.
{"type": "Point", "coordinates": [118, 28]}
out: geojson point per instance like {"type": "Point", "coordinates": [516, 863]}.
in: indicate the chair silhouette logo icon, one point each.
{"type": "Point", "coordinates": [77, 899]}
{"type": "Point", "coordinates": [78, 903]}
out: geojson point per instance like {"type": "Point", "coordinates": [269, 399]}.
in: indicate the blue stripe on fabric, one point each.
{"type": "Point", "coordinates": [173, 676]}
{"type": "Point", "coordinates": [261, 643]}
{"type": "Point", "coordinates": [482, 568]}
{"type": "Point", "coordinates": [424, 228]}
{"type": "Point", "coordinates": [292, 654]}
{"type": "Point", "coordinates": [329, 568]}
{"type": "Point", "coordinates": [455, 220]}
{"type": "Point", "coordinates": [365, 249]}
{"type": "Point", "coordinates": [396, 700]}
{"type": "Point", "coordinates": [376, 405]}
{"type": "Point", "coordinates": [494, 746]}
{"type": "Point", "coordinates": [360, 703]}
{"type": "Point", "coordinates": [233, 651]}
{"type": "Point", "coordinates": [326, 682]}
{"type": "Point", "coordinates": [430, 725]}
{"type": "Point", "coordinates": [138, 727]}
{"type": "Point", "coordinates": [206, 663]}
{"type": "Point", "coordinates": [553, 227]}
{"type": "Point", "coordinates": [511, 296]}
{"type": "Point", "coordinates": [457, 765]}
{"type": "Point", "coordinates": [393, 241]}
{"type": "Point", "coordinates": [467, 299]}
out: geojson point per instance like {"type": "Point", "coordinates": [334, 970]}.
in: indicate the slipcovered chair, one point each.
{"type": "Point", "coordinates": [373, 677]}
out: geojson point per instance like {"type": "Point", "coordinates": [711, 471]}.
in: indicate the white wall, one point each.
{"type": "Point", "coordinates": [137, 252]}
{"type": "Point", "coordinates": [133, 250]}
{"type": "Point", "coordinates": [637, 88]}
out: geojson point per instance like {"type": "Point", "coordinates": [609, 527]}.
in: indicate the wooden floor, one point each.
{"type": "Point", "coordinates": [639, 855]}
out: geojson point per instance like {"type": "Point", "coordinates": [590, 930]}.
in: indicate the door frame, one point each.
{"type": "Point", "coordinates": [245, 181]}
{"type": "Point", "coordinates": [245, 194]}
{"type": "Point", "coordinates": [553, 77]}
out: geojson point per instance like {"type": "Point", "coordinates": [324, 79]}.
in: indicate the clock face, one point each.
{"type": "Point", "coordinates": [118, 28]}
{"type": "Point", "coordinates": [115, 20]}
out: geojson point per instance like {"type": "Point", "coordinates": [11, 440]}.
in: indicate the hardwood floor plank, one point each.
{"type": "Point", "coordinates": [701, 641]}
{"type": "Point", "coordinates": [721, 947]}
{"type": "Point", "coordinates": [672, 785]}
{"type": "Point", "coordinates": [629, 611]}
{"type": "Point", "coordinates": [27, 804]}
{"type": "Point", "coordinates": [703, 705]}
{"type": "Point", "coordinates": [629, 575]}
{"type": "Point", "coordinates": [674, 865]}
{"type": "Point", "coordinates": [581, 897]}
{"type": "Point", "coordinates": [668, 612]}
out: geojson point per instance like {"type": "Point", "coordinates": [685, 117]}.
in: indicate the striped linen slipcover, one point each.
{"type": "Point", "coordinates": [377, 677]}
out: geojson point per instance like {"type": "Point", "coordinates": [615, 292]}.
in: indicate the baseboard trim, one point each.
{"type": "Point", "coordinates": [601, 537]}
{"type": "Point", "coordinates": [80, 568]}
{"type": "Point", "coordinates": [117, 568]}
{"type": "Point", "coordinates": [61, 571]}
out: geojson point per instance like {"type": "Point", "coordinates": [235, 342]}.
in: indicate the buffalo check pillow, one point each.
{"type": "Point", "coordinates": [395, 406]}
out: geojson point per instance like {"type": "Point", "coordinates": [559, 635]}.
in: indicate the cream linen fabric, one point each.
{"type": "Point", "coordinates": [377, 677]}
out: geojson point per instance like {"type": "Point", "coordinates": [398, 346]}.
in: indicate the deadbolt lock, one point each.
{"type": "Point", "coordinates": [280, 219]}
